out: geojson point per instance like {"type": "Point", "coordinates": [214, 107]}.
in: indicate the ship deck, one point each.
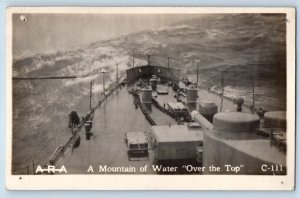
{"type": "Point", "coordinates": [112, 120]}
{"type": "Point", "coordinates": [107, 146]}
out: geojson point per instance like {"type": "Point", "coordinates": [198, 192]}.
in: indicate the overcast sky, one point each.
{"type": "Point", "coordinates": [52, 32]}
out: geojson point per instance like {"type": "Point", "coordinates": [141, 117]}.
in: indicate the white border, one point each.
{"type": "Point", "coordinates": [155, 182]}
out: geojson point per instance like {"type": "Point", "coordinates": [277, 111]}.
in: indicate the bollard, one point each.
{"type": "Point", "coordinates": [239, 102]}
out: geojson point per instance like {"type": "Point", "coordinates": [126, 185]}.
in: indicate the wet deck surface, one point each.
{"type": "Point", "coordinates": [107, 147]}
{"type": "Point", "coordinates": [112, 120]}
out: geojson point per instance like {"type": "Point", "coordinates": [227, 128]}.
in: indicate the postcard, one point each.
{"type": "Point", "coordinates": [150, 98]}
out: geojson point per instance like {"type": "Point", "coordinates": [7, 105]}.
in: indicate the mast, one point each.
{"type": "Point", "coordinates": [222, 84]}
{"type": "Point", "coordinates": [103, 80]}
{"type": "Point", "coordinates": [132, 61]}
{"type": "Point", "coordinates": [168, 68]}
{"type": "Point", "coordinates": [197, 73]}
{"type": "Point", "coordinates": [253, 93]}
{"type": "Point", "coordinates": [91, 92]}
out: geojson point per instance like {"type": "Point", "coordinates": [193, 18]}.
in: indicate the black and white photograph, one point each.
{"type": "Point", "coordinates": [160, 93]}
